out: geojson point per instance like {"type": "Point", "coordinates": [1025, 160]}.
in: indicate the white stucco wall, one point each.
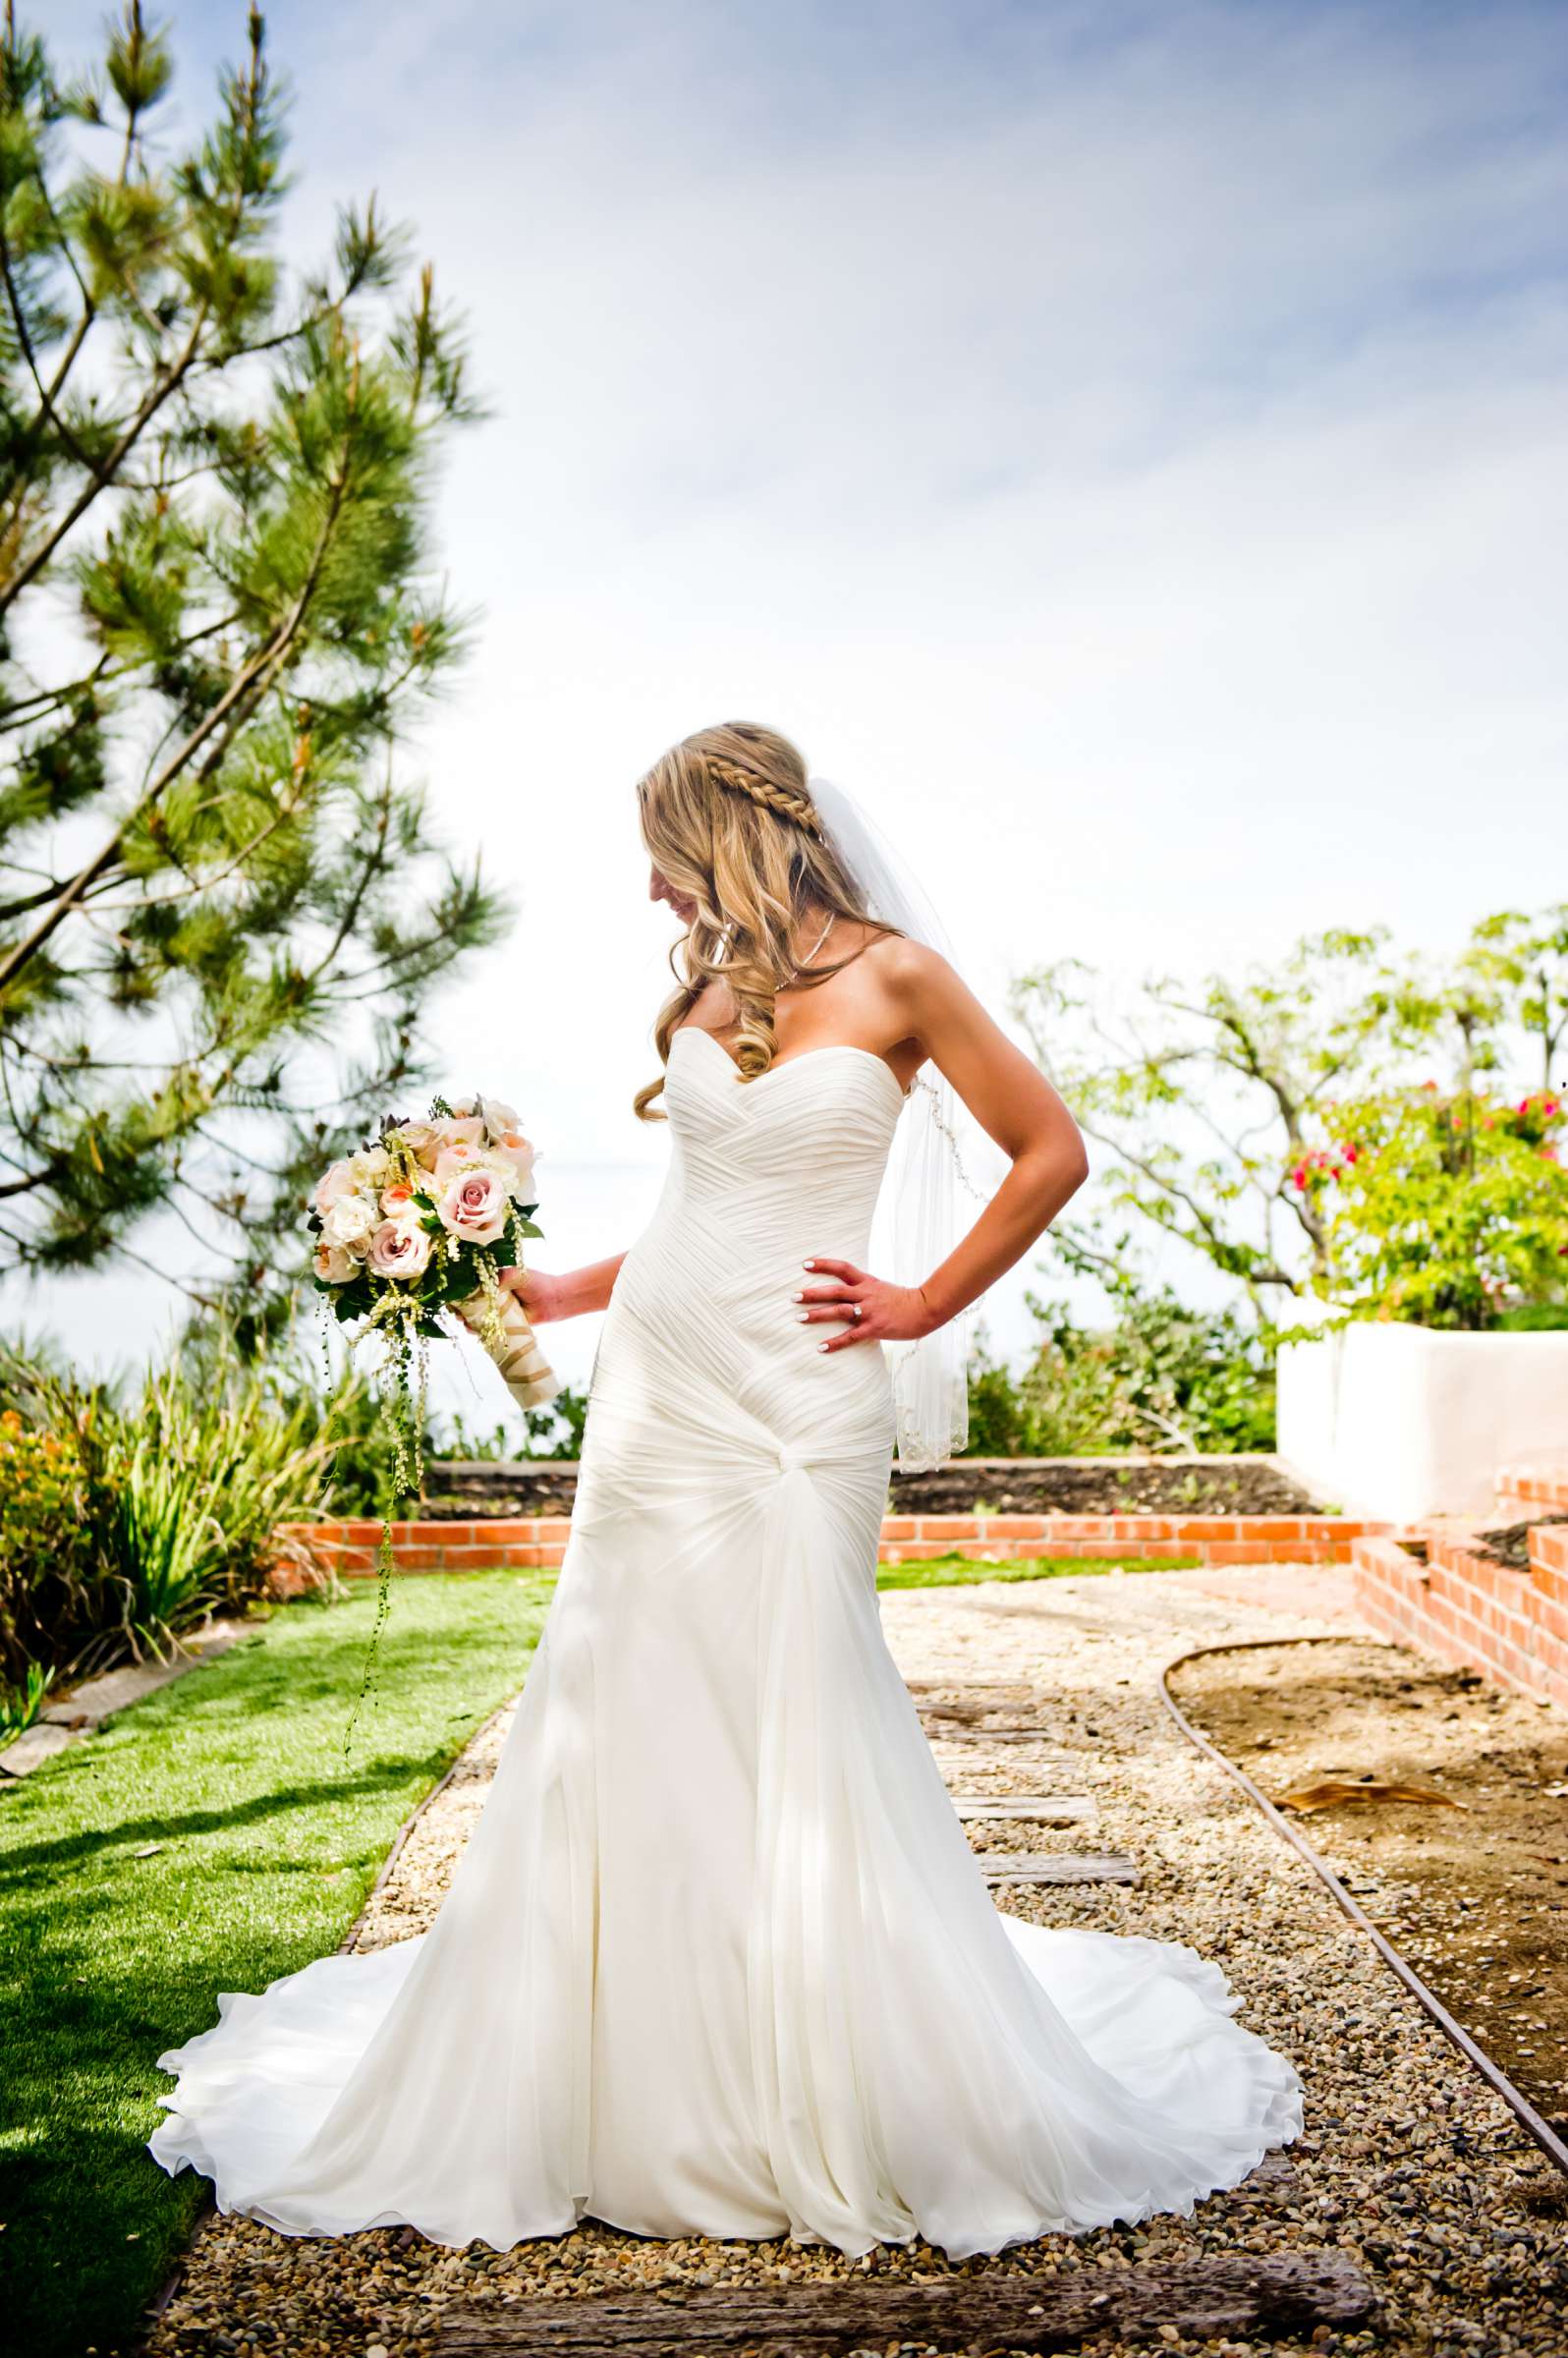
{"type": "Point", "coordinates": [1397, 1422]}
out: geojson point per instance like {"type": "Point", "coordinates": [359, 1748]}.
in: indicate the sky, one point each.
{"type": "Point", "coordinates": [1124, 444]}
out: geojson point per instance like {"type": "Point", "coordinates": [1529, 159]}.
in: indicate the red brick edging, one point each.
{"type": "Point", "coordinates": [350, 1548]}
{"type": "Point", "coordinates": [1528, 1490]}
{"type": "Point", "coordinates": [1464, 1608]}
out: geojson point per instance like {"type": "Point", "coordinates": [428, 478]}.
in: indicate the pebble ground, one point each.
{"type": "Point", "coordinates": [1409, 2166]}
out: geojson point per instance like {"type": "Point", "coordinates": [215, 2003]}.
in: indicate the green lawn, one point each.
{"type": "Point", "coordinates": [958, 1571]}
{"type": "Point", "coordinates": [211, 1838]}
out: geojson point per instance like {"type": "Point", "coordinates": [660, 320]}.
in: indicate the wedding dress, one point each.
{"type": "Point", "coordinates": [718, 1959]}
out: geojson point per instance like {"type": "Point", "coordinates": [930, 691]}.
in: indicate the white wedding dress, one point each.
{"type": "Point", "coordinates": [718, 1959]}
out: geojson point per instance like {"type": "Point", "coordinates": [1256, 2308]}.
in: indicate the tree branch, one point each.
{"type": "Point", "coordinates": [257, 673]}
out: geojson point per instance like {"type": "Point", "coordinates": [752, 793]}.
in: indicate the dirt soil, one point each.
{"type": "Point", "coordinates": [1009, 1485]}
{"type": "Point", "coordinates": [1510, 1544]}
{"type": "Point", "coordinates": [1103, 1486]}
{"type": "Point", "coordinates": [1475, 1898]}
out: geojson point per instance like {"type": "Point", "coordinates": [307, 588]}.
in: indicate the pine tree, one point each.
{"type": "Point", "coordinates": [221, 903]}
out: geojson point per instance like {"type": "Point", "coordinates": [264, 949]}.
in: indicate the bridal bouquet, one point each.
{"type": "Point", "coordinates": [421, 1222]}
{"type": "Point", "coordinates": [416, 1227]}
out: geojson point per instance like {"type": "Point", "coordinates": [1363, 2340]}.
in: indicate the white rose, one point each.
{"type": "Point", "coordinates": [349, 1223]}
{"type": "Point", "coordinates": [497, 1116]}
{"type": "Point", "coordinates": [372, 1167]}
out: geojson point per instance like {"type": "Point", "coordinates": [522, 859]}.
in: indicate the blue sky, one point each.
{"type": "Point", "coordinates": [1126, 444]}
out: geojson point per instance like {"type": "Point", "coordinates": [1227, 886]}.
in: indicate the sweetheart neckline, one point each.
{"type": "Point", "coordinates": [782, 1064]}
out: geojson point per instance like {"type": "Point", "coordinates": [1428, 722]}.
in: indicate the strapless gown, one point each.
{"type": "Point", "coordinates": [718, 1959]}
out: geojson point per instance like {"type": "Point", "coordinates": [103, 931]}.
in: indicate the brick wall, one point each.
{"type": "Point", "coordinates": [1456, 1604]}
{"type": "Point", "coordinates": [1524, 1490]}
{"type": "Point", "coordinates": [350, 1548]}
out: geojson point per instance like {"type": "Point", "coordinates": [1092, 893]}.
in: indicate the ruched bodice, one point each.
{"type": "Point", "coordinates": [763, 1175]}
{"type": "Point", "coordinates": [805, 1141]}
{"type": "Point", "coordinates": [718, 1959]}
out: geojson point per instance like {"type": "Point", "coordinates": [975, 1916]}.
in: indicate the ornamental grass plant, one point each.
{"type": "Point", "coordinates": [124, 1521]}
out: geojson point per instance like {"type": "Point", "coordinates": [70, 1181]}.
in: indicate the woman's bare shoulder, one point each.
{"type": "Point", "coordinates": [907, 968]}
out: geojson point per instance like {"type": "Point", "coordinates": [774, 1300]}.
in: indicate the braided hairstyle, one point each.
{"type": "Point", "coordinates": [728, 819]}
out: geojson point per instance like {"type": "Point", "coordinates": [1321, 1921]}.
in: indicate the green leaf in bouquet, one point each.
{"type": "Point", "coordinates": [523, 1226]}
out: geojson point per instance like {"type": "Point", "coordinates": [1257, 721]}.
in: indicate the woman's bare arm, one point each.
{"type": "Point", "coordinates": [568, 1296]}
{"type": "Point", "coordinates": [1014, 1102]}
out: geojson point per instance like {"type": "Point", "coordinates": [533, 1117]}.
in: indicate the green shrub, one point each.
{"type": "Point", "coordinates": [1160, 1376]}
{"type": "Point", "coordinates": [57, 1594]}
{"type": "Point", "coordinates": [200, 1476]}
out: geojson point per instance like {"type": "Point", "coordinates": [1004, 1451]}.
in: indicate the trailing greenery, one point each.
{"type": "Point", "coordinates": [210, 1839]}
{"type": "Point", "coordinates": [221, 903]}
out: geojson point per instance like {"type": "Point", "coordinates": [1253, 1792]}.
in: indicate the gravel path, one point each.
{"type": "Point", "coordinates": [1408, 2165]}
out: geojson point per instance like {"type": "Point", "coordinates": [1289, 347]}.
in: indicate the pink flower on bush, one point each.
{"type": "Point", "coordinates": [473, 1206]}
{"type": "Point", "coordinates": [399, 1249]}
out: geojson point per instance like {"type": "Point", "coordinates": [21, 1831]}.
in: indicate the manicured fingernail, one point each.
{"type": "Point", "coordinates": [796, 1297]}
{"type": "Point", "coordinates": [808, 1264]}
{"type": "Point", "coordinates": [803, 1316]}
{"type": "Point", "coordinates": [824, 1346]}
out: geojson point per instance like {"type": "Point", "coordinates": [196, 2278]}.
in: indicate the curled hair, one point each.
{"type": "Point", "coordinates": [728, 820]}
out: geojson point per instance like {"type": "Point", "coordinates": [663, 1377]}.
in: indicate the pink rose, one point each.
{"type": "Point", "coordinates": [513, 1150]}
{"type": "Point", "coordinates": [335, 1263]}
{"type": "Point", "coordinates": [395, 1200]}
{"type": "Point", "coordinates": [338, 1180]}
{"type": "Point", "coordinates": [466, 1130]}
{"type": "Point", "coordinates": [453, 1160]}
{"type": "Point", "coordinates": [399, 1249]}
{"type": "Point", "coordinates": [473, 1206]}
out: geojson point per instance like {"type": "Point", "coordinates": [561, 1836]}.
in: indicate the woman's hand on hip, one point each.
{"type": "Point", "coordinates": [866, 1308]}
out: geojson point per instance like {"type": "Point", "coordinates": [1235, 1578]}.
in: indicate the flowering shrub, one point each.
{"type": "Point", "coordinates": [1445, 1210]}
{"type": "Point", "coordinates": [54, 1584]}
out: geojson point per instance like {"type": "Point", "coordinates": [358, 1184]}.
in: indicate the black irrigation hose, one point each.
{"type": "Point", "coordinates": [1522, 2111]}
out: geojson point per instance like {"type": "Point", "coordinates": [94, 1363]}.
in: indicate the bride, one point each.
{"type": "Point", "coordinates": [718, 1959]}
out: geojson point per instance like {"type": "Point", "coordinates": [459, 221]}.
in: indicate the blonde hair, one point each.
{"type": "Point", "coordinates": [728, 820]}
